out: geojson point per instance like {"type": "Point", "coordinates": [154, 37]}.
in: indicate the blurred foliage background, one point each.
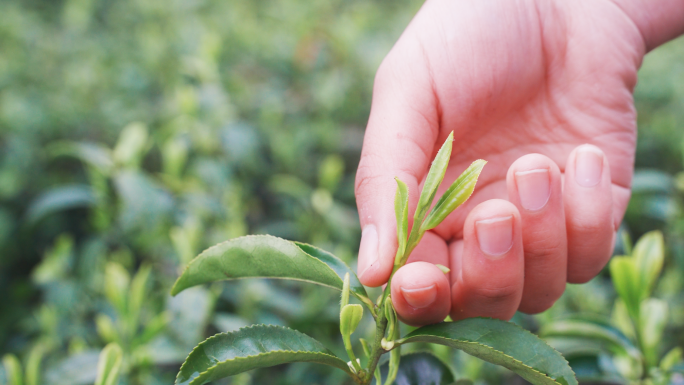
{"type": "Point", "coordinates": [136, 133]}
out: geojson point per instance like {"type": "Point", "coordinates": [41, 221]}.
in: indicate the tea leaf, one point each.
{"type": "Point", "coordinates": [575, 329]}
{"type": "Point", "coordinates": [401, 200]}
{"type": "Point", "coordinates": [649, 254]}
{"type": "Point", "coordinates": [33, 365]}
{"type": "Point", "coordinates": [458, 192]}
{"type": "Point", "coordinates": [258, 346]}
{"type": "Point", "coordinates": [109, 365]}
{"type": "Point", "coordinates": [12, 369]}
{"type": "Point", "coordinates": [95, 155]}
{"type": "Point", "coordinates": [268, 257]}
{"type": "Point", "coordinates": [433, 180]}
{"type": "Point", "coordinates": [653, 319]}
{"type": "Point", "coordinates": [502, 343]}
{"type": "Point", "coordinates": [625, 277]}
{"type": "Point", "coordinates": [421, 369]}
{"type": "Point", "coordinates": [350, 316]}
{"type": "Point", "coordinates": [671, 358]}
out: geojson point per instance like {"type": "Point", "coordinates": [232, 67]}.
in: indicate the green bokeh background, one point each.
{"type": "Point", "coordinates": [139, 132]}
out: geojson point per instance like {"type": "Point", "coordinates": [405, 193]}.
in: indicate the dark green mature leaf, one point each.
{"type": "Point", "coordinates": [433, 180]}
{"type": "Point", "coordinates": [456, 195]}
{"type": "Point", "coordinates": [594, 331]}
{"type": "Point", "coordinates": [266, 256]}
{"type": "Point", "coordinates": [502, 343]}
{"type": "Point", "coordinates": [258, 346]}
{"type": "Point", "coordinates": [421, 369]}
{"type": "Point", "coordinates": [401, 200]}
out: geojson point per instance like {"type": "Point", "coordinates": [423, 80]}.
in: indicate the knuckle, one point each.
{"type": "Point", "coordinates": [498, 294]}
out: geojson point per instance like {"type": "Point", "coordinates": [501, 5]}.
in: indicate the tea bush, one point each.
{"type": "Point", "coordinates": [134, 134]}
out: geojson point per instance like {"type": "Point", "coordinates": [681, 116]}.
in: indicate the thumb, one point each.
{"type": "Point", "coordinates": [400, 139]}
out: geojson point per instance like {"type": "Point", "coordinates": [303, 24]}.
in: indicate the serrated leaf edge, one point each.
{"type": "Point", "coordinates": [256, 355]}
{"type": "Point", "coordinates": [402, 341]}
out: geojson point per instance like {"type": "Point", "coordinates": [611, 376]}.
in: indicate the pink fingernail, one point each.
{"type": "Point", "coordinates": [368, 250]}
{"type": "Point", "coordinates": [495, 235]}
{"type": "Point", "coordinates": [534, 188]}
{"type": "Point", "coordinates": [588, 165]}
{"type": "Point", "coordinates": [421, 297]}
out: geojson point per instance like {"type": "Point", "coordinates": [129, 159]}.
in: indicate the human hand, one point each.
{"type": "Point", "coordinates": [524, 85]}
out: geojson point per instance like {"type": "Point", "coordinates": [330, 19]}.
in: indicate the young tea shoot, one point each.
{"type": "Point", "coordinates": [262, 256]}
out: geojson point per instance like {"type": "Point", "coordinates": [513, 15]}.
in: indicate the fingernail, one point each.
{"type": "Point", "coordinates": [495, 235]}
{"type": "Point", "coordinates": [421, 297]}
{"type": "Point", "coordinates": [368, 250]}
{"type": "Point", "coordinates": [588, 165]}
{"type": "Point", "coordinates": [533, 188]}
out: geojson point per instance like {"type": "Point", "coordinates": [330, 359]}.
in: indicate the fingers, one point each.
{"type": "Point", "coordinates": [420, 294]}
{"type": "Point", "coordinates": [399, 142]}
{"type": "Point", "coordinates": [588, 213]}
{"type": "Point", "coordinates": [487, 267]}
{"type": "Point", "coordinates": [534, 186]}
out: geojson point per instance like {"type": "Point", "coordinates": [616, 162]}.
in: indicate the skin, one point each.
{"type": "Point", "coordinates": [524, 85]}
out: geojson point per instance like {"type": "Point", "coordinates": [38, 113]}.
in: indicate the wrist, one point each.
{"type": "Point", "coordinates": [659, 21]}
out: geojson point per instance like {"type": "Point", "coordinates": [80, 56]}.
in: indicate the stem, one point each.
{"type": "Point", "coordinates": [377, 350]}
{"type": "Point", "coordinates": [350, 352]}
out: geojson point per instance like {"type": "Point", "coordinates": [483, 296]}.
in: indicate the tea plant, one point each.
{"type": "Point", "coordinates": [633, 337]}
{"type": "Point", "coordinates": [108, 366]}
{"type": "Point", "coordinates": [225, 354]}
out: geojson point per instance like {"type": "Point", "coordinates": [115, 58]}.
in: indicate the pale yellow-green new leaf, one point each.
{"type": "Point", "coordinates": [653, 319]}
{"type": "Point", "coordinates": [433, 180]}
{"type": "Point", "coordinates": [33, 365]}
{"type": "Point", "coordinates": [12, 369]}
{"type": "Point", "coordinates": [350, 316]}
{"type": "Point", "coordinates": [109, 365]}
{"type": "Point", "coordinates": [625, 277]}
{"type": "Point", "coordinates": [649, 254]}
{"type": "Point", "coordinates": [401, 200]}
{"type": "Point", "coordinates": [456, 195]}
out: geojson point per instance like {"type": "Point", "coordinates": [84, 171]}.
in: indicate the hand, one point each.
{"type": "Point", "coordinates": [542, 90]}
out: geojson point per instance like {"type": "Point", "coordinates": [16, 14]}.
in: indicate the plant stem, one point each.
{"type": "Point", "coordinates": [377, 350]}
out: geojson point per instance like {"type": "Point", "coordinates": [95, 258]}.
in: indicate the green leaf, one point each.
{"type": "Point", "coordinates": [344, 301]}
{"type": "Point", "coordinates": [109, 365]}
{"type": "Point", "coordinates": [458, 192]}
{"type": "Point", "coordinates": [33, 363]}
{"type": "Point", "coordinates": [268, 257]}
{"type": "Point", "coordinates": [350, 316]}
{"type": "Point", "coordinates": [502, 343]}
{"type": "Point", "coordinates": [421, 369]}
{"type": "Point", "coordinates": [12, 369]}
{"type": "Point", "coordinates": [652, 321]}
{"type": "Point", "coordinates": [59, 199]}
{"type": "Point", "coordinates": [649, 254]}
{"type": "Point", "coordinates": [95, 155]}
{"type": "Point", "coordinates": [671, 358]}
{"type": "Point", "coordinates": [621, 320]}
{"type": "Point", "coordinates": [258, 346]}
{"type": "Point", "coordinates": [401, 200]}
{"type": "Point", "coordinates": [132, 145]}
{"type": "Point", "coordinates": [574, 329]}
{"type": "Point", "coordinates": [433, 180]}
{"type": "Point", "coordinates": [625, 277]}
{"type": "Point", "coordinates": [137, 292]}
{"type": "Point", "coordinates": [116, 285]}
